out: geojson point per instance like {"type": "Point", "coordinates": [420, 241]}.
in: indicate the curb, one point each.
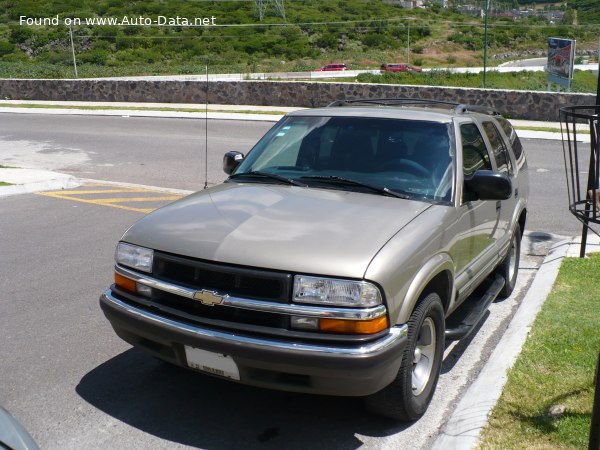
{"type": "Point", "coordinates": [41, 180]}
{"type": "Point", "coordinates": [471, 414]}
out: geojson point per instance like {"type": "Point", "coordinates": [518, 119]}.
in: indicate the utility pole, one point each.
{"type": "Point", "coordinates": [408, 39]}
{"type": "Point", "coordinates": [485, 44]}
{"type": "Point", "coordinates": [598, 88]}
{"type": "Point", "coordinates": [408, 44]}
{"type": "Point", "coordinates": [73, 50]}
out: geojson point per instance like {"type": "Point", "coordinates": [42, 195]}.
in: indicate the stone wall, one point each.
{"type": "Point", "coordinates": [514, 104]}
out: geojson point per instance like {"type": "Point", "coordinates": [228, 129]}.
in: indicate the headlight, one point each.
{"type": "Point", "coordinates": [331, 291]}
{"type": "Point", "coordinates": [133, 256]}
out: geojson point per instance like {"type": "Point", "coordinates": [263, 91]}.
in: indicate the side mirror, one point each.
{"type": "Point", "coordinates": [489, 185]}
{"type": "Point", "coordinates": [231, 160]}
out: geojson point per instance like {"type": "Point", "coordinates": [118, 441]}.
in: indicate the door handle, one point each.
{"type": "Point", "coordinates": [516, 192]}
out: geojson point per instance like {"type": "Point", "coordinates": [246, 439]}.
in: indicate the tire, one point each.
{"type": "Point", "coordinates": [509, 267]}
{"type": "Point", "coordinates": [408, 396]}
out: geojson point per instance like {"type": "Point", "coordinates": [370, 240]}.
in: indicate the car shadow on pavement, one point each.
{"type": "Point", "coordinates": [193, 409]}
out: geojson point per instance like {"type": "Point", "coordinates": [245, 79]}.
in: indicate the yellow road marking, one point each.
{"type": "Point", "coordinates": [113, 202]}
{"type": "Point", "coordinates": [137, 199]}
{"type": "Point", "coordinates": [106, 191]}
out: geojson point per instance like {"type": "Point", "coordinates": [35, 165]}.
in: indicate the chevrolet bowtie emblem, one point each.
{"type": "Point", "coordinates": [209, 298]}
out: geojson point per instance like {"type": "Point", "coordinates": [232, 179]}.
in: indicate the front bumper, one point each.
{"type": "Point", "coordinates": [356, 370]}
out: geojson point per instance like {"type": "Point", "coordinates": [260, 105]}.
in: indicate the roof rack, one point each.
{"type": "Point", "coordinates": [459, 108]}
{"type": "Point", "coordinates": [391, 102]}
{"type": "Point", "coordinates": [462, 108]}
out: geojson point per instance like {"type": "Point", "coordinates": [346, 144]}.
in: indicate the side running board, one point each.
{"type": "Point", "coordinates": [469, 316]}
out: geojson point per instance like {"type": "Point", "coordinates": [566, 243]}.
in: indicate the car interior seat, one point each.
{"type": "Point", "coordinates": [390, 147]}
{"type": "Point", "coordinates": [352, 150]}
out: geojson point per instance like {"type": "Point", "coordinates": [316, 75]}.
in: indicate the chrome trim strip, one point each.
{"type": "Point", "coordinates": [487, 268]}
{"type": "Point", "coordinates": [259, 305]}
{"type": "Point", "coordinates": [395, 334]}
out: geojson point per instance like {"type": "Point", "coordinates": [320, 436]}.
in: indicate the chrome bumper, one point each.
{"type": "Point", "coordinates": [395, 334]}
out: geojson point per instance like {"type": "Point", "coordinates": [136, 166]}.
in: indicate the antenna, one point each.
{"type": "Point", "coordinates": [206, 132]}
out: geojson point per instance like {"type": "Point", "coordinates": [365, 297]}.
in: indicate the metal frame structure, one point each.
{"type": "Point", "coordinates": [584, 195]}
{"type": "Point", "coordinates": [260, 6]}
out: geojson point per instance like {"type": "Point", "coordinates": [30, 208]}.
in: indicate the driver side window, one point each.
{"type": "Point", "coordinates": [475, 153]}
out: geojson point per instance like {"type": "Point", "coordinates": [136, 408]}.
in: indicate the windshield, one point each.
{"type": "Point", "coordinates": [408, 157]}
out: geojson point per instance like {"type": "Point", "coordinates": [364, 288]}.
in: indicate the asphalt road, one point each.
{"type": "Point", "coordinates": [152, 151]}
{"type": "Point", "coordinates": [530, 62]}
{"type": "Point", "coordinates": [75, 384]}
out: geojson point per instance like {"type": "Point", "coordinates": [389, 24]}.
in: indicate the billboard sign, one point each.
{"type": "Point", "coordinates": [561, 55]}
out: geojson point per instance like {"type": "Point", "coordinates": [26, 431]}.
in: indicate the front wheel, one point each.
{"type": "Point", "coordinates": [409, 395]}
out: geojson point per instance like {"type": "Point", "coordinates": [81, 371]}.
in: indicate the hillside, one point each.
{"type": "Point", "coordinates": [588, 11]}
{"type": "Point", "coordinates": [34, 40]}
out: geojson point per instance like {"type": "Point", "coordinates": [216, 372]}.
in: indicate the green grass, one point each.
{"type": "Point", "coordinates": [556, 367]}
{"type": "Point", "coordinates": [583, 81]}
{"type": "Point", "coordinates": [4, 183]}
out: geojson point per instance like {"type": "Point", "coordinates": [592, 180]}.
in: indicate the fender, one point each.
{"type": "Point", "coordinates": [433, 267]}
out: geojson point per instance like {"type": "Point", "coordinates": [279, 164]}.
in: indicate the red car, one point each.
{"type": "Point", "coordinates": [402, 67]}
{"type": "Point", "coordinates": [331, 67]}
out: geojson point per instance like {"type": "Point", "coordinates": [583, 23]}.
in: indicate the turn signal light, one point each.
{"type": "Point", "coordinates": [353, 326]}
{"type": "Point", "coordinates": [125, 283]}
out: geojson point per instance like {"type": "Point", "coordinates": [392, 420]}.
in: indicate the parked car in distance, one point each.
{"type": "Point", "coordinates": [401, 67]}
{"type": "Point", "coordinates": [331, 68]}
{"type": "Point", "coordinates": [340, 256]}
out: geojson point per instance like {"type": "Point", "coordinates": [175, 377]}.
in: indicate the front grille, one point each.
{"type": "Point", "coordinates": [202, 313]}
{"type": "Point", "coordinates": [236, 281]}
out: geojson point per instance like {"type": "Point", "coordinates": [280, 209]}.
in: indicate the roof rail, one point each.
{"type": "Point", "coordinates": [459, 108]}
{"type": "Point", "coordinates": [391, 102]}
{"type": "Point", "coordinates": [463, 108]}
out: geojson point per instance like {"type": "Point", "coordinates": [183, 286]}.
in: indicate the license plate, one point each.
{"type": "Point", "coordinates": [210, 362]}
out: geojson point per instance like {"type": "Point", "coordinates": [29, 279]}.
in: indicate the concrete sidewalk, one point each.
{"type": "Point", "coordinates": [163, 110]}
{"type": "Point", "coordinates": [25, 181]}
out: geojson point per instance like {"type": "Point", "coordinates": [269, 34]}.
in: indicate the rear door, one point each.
{"type": "Point", "coordinates": [504, 164]}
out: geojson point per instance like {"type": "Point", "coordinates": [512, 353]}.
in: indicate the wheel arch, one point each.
{"type": "Point", "coordinates": [434, 276]}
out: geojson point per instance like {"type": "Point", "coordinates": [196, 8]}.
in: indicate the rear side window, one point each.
{"type": "Point", "coordinates": [475, 154]}
{"type": "Point", "coordinates": [515, 142]}
{"type": "Point", "coordinates": [498, 148]}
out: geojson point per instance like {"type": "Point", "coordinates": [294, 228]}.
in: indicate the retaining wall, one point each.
{"type": "Point", "coordinates": [528, 105]}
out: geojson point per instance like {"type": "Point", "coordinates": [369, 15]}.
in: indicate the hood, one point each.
{"type": "Point", "coordinates": [289, 228]}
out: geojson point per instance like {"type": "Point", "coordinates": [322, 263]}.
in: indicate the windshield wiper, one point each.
{"type": "Point", "coordinates": [381, 190]}
{"type": "Point", "coordinates": [273, 176]}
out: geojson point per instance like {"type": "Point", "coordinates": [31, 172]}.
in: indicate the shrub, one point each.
{"type": "Point", "coordinates": [7, 48]}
